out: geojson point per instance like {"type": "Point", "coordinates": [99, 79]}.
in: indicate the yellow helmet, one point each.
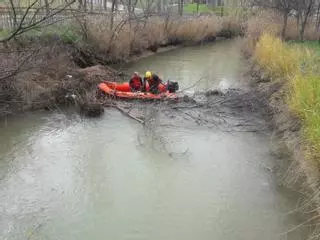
{"type": "Point", "coordinates": [148, 74]}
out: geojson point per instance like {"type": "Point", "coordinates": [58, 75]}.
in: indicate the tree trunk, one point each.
{"type": "Point", "coordinates": [180, 7]}
{"type": "Point", "coordinates": [318, 18]}
{"type": "Point", "coordinates": [134, 5]}
{"type": "Point", "coordinates": [304, 19]}
{"type": "Point", "coordinates": [302, 28]}
{"type": "Point", "coordinates": [105, 5]}
{"type": "Point", "coordinates": [47, 6]}
{"type": "Point", "coordinates": [85, 5]}
{"type": "Point", "coordinates": [159, 6]}
{"type": "Point", "coordinates": [130, 14]}
{"type": "Point", "coordinates": [80, 4]}
{"type": "Point", "coordinates": [113, 5]}
{"type": "Point", "coordinates": [284, 26]}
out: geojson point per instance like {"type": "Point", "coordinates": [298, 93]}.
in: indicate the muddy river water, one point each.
{"type": "Point", "coordinates": [66, 177]}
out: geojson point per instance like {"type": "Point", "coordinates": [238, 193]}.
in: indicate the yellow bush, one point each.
{"type": "Point", "coordinates": [304, 99]}
{"type": "Point", "coordinates": [299, 66]}
{"type": "Point", "coordinates": [279, 59]}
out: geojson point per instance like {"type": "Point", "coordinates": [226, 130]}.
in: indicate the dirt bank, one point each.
{"type": "Point", "coordinates": [299, 174]}
{"type": "Point", "coordinates": [48, 73]}
{"type": "Point", "coordinates": [43, 75]}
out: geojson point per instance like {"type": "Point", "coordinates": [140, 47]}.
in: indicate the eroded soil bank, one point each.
{"type": "Point", "coordinates": [299, 172]}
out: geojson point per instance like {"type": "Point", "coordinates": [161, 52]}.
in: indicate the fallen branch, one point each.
{"type": "Point", "coordinates": [187, 107]}
{"type": "Point", "coordinates": [128, 114]}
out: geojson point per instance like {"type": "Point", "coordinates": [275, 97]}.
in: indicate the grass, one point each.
{"type": "Point", "coordinates": [272, 22]}
{"type": "Point", "coordinates": [138, 37]}
{"type": "Point", "coordinates": [156, 32]}
{"type": "Point", "coordinates": [220, 10]}
{"type": "Point", "coordinates": [40, 4]}
{"type": "Point", "coordinates": [314, 45]}
{"type": "Point", "coordinates": [192, 8]}
{"type": "Point", "coordinates": [204, 8]}
{"type": "Point", "coordinates": [65, 33]}
{"type": "Point", "coordinates": [299, 65]}
{"type": "Point", "coordinates": [4, 33]}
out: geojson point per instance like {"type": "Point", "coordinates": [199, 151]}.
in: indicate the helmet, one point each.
{"type": "Point", "coordinates": [148, 74]}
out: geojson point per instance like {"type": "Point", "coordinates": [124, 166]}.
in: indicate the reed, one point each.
{"type": "Point", "coordinates": [299, 66]}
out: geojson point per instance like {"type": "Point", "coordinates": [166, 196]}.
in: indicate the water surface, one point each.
{"type": "Point", "coordinates": [65, 177]}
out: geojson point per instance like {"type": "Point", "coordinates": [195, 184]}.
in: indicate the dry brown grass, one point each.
{"type": "Point", "coordinates": [195, 29]}
{"type": "Point", "coordinates": [264, 21]}
{"type": "Point", "coordinates": [39, 70]}
{"type": "Point", "coordinates": [293, 33]}
{"type": "Point", "coordinates": [272, 22]}
{"type": "Point", "coordinates": [45, 79]}
{"type": "Point", "coordinates": [126, 40]}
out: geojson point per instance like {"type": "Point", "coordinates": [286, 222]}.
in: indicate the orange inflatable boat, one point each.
{"type": "Point", "coordinates": [122, 90]}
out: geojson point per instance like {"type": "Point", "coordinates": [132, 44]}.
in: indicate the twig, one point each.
{"type": "Point", "coordinates": [22, 29]}
{"type": "Point", "coordinates": [188, 107]}
{"type": "Point", "coordinates": [13, 72]}
{"type": "Point", "coordinates": [191, 86]}
{"type": "Point", "coordinates": [126, 113]}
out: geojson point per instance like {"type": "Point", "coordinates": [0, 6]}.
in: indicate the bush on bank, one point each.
{"type": "Point", "coordinates": [122, 41]}
{"type": "Point", "coordinates": [299, 66]}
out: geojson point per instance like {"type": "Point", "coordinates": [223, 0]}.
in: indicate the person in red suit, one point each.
{"type": "Point", "coordinates": [135, 82]}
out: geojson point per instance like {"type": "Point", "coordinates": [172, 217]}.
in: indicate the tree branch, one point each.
{"type": "Point", "coordinates": [16, 31]}
{"type": "Point", "coordinates": [12, 73]}
{"type": "Point", "coordinates": [22, 29]}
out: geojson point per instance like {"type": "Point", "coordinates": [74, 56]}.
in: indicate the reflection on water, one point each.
{"type": "Point", "coordinates": [63, 177]}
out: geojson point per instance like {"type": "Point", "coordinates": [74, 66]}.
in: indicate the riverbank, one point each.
{"type": "Point", "coordinates": [42, 70]}
{"type": "Point", "coordinates": [167, 145]}
{"type": "Point", "coordinates": [288, 74]}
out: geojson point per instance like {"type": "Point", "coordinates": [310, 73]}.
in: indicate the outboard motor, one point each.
{"type": "Point", "coordinates": [172, 87]}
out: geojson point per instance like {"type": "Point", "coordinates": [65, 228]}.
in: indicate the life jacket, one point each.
{"type": "Point", "coordinates": [136, 82]}
{"type": "Point", "coordinates": [154, 80]}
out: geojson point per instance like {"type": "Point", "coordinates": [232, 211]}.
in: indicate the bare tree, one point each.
{"type": "Point", "coordinates": [15, 61]}
{"type": "Point", "coordinates": [82, 5]}
{"type": "Point", "coordinates": [159, 6]}
{"type": "Point", "coordinates": [180, 7]}
{"type": "Point", "coordinates": [130, 5]}
{"type": "Point", "coordinates": [317, 26]}
{"type": "Point", "coordinates": [147, 7]}
{"type": "Point", "coordinates": [105, 5]}
{"type": "Point", "coordinates": [113, 8]}
{"type": "Point", "coordinates": [284, 7]}
{"type": "Point", "coordinates": [28, 19]}
{"type": "Point", "coordinates": [91, 5]}
{"type": "Point", "coordinates": [305, 9]}
{"type": "Point", "coordinates": [198, 5]}
{"type": "Point", "coordinates": [47, 6]}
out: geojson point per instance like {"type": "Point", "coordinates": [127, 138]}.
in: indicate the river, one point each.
{"type": "Point", "coordinates": [66, 177]}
